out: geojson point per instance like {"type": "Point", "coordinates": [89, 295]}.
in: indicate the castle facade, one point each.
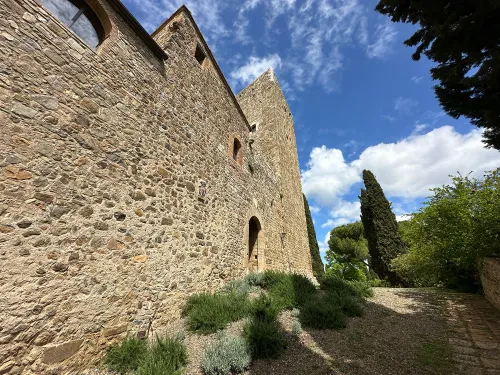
{"type": "Point", "coordinates": [130, 177]}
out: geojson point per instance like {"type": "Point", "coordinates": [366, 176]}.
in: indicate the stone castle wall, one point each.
{"type": "Point", "coordinates": [490, 280]}
{"type": "Point", "coordinates": [119, 195]}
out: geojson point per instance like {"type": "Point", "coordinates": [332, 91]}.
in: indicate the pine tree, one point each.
{"type": "Point", "coordinates": [317, 263]}
{"type": "Point", "coordinates": [380, 228]}
{"type": "Point", "coordinates": [462, 39]}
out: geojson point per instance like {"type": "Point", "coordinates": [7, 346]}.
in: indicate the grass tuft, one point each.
{"type": "Point", "coordinates": [435, 355]}
{"type": "Point", "coordinates": [165, 356]}
{"type": "Point", "coordinates": [126, 356]}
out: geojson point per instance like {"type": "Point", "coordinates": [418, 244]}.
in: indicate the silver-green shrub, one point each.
{"type": "Point", "coordinates": [226, 355]}
{"type": "Point", "coordinates": [296, 327]}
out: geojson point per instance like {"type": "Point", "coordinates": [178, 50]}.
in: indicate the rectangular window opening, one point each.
{"type": "Point", "coordinates": [199, 55]}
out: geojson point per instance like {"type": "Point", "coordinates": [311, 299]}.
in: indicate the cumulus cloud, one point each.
{"type": "Point", "coordinates": [343, 212]}
{"type": "Point", "coordinates": [405, 169]}
{"type": "Point", "coordinates": [254, 68]}
{"type": "Point", "coordinates": [404, 105]}
{"type": "Point", "coordinates": [385, 35]}
{"type": "Point", "coordinates": [328, 176]}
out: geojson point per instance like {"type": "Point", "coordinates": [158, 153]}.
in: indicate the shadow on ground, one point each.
{"type": "Point", "coordinates": [403, 331]}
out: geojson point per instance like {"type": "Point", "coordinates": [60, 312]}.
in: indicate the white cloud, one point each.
{"type": "Point", "coordinates": [389, 118]}
{"type": "Point", "coordinates": [403, 217]}
{"type": "Point", "coordinates": [405, 169]}
{"type": "Point", "coordinates": [404, 105]}
{"type": "Point", "coordinates": [343, 212]}
{"type": "Point", "coordinates": [328, 176]}
{"type": "Point", "coordinates": [254, 68]}
{"type": "Point", "coordinates": [347, 210]}
{"type": "Point", "coordinates": [416, 79]}
{"type": "Point", "coordinates": [317, 32]}
{"type": "Point", "coordinates": [323, 245]}
{"type": "Point", "coordinates": [410, 167]}
{"type": "Point", "coordinates": [385, 35]}
{"type": "Point", "coordinates": [332, 223]}
{"type": "Point", "coordinates": [314, 209]}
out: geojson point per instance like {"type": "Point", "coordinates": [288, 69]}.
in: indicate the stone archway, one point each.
{"type": "Point", "coordinates": [254, 229]}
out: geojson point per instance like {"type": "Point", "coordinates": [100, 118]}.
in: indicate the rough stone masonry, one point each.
{"type": "Point", "coordinates": [130, 177]}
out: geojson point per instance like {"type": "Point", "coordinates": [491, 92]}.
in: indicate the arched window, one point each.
{"type": "Point", "coordinates": [79, 17]}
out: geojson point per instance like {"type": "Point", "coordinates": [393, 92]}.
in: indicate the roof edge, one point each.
{"type": "Point", "coordinates": [136, 26]}
{"type": "Point", "coordinates": [185, 9]}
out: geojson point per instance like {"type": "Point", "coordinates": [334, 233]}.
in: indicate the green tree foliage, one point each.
{"type": "Point", "coordinates": [380, 229]}
{"type": "Point", "coordinates": [459, 36]}
{"type": "Point", "coordinates": [317, 263]}
{"type": "Point", "coordinates": [447, 237]}
{"type": "Point", "coordinates": [347, 254]}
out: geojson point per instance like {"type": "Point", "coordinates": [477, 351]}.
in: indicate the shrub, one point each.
{"type": "Point", "coordinates": [320, 312]}
{"type": "Point", "coordinates": [240, 286]}
{"type": "Point", "coordinates": [363, 288]}
{"type": "Point", "coordinates": [376, 282]}
{"type": "Point", "coordinates": [207, 313]}
{"type": "Point", "coordinates": [254, 279]}
{"type": "Point", "coordinates": [264, 338]}
{"type": "Point", "coordinates": [126, 356]}
{"type": "Point", "coordinates": [296, 327]}
{"type": "Point", "coordinates": [295, 313]}
{"type": "Point", "coordinates": [263, 308]}
{"type": "Point", "coordinates": [349, 304]}
{"type": "Point", "coordinates": [354, 288]}
{"type": "Point", "coordinates": [165, 356]}
{"type": "Point", "coordinates": [451, 233]}
{"type": "Point", "coordinates": [287, 290]}
{"type": "Point", "coordinates": [227, 355]}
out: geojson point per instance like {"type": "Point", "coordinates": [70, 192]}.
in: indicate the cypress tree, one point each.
{"type": "Point", "coordinates": [317, 263]}
{"type": "Point", "coordinates": [380, 228]}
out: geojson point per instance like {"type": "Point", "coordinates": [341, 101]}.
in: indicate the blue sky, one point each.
{"type": "Point", "coordinates": [358, 99]}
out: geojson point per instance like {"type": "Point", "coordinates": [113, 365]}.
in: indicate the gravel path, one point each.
{"type": "Point", "coordinates": [391, 339]}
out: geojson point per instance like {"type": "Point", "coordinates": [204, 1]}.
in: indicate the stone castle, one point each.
{"type": "Point", "coordinates": [131, 177]}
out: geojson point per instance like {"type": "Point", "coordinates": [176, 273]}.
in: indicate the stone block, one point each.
{"type": "Point", "coordinates": [22, 110]}
{"type": "Point", "coordinates": [114, 330]}
{"type": "Point", "coordinates": [60, 352]}
{"type": "Point", "coordinates": [16, 173]}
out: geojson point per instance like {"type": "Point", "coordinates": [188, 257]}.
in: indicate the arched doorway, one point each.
{"type": "Point", "coordinates": [253, 244]}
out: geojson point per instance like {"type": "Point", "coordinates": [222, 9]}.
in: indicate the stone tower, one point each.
{"type": "Point", "coordinates": [272, 132]}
